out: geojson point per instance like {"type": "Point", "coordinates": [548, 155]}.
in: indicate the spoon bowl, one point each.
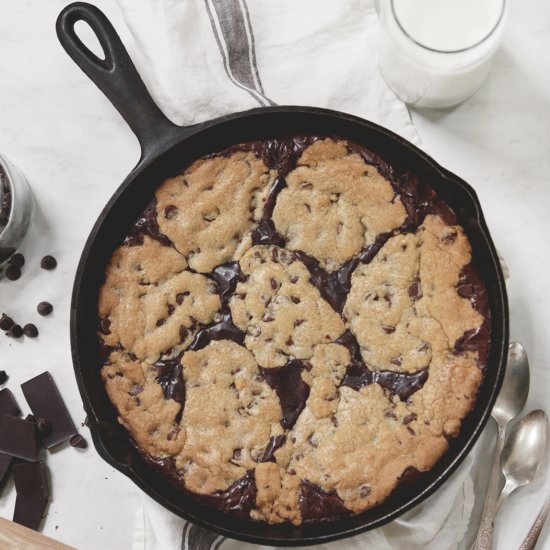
{"type": "Point", "coordinates": [524, 452]}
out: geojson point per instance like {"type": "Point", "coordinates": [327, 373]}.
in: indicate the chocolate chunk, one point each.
{"type": "Point", "coordinates": [30, 330]}
{"type": "Point", "coordinates": [170, 377]}
{"type": "Point", "coordinates": [48, 263]}
{"type": "Point", "coordinates": [6, 322]}
{"type": "Point", "coordinates": [18, 438]}
{"type": "Point", "coordinates": [5, 463]}
{"type": "Point", "coordinates": [78, 441]}
{"type": "Point", "coordinates": [147, 225]}
{"type": "Point", "coordinates": [8, 405]}
{"type": "Point", "coordinates": [31, 485]}
{"type": "Point", "coordinates": [3, 377]}
{"type": "Point", "coordinates": [237, 500]}
{"type": "Point", "coordinates": [44, 308]}
{"type": "Point", "coordinates": [290, 388]}
{"type": "Point", "coordinates": [224, 329]}
{"type": "Point", "coordinates": [17, 259]}
{"type": "Point", "coordinates": [315, 503]}
{"type": "Point", "coordinates": [44, 427]}
{"type": "Point", "coordinates": [45, 402]}
{"type": "Point", "coordinates": [13, 272]}
{"type": "Point", "coordinates": [15, 331]}
{"type": "Point", "coordinates": [274, 443]}
{"type": "Point", "coordinates": [227, 276]}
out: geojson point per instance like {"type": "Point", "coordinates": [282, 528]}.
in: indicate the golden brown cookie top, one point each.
{"type": "Point", "coordinates": [288, 342]}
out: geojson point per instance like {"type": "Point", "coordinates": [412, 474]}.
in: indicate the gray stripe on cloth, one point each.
{"type": "Point", "coordinates": [197, 538]}
{"type": "Point", "coordinates": [231, 25]}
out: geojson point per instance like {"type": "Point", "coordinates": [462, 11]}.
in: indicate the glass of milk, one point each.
{"type": "Point", "coordinates": [437, 53]}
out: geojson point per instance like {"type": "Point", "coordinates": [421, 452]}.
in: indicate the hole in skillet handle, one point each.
{"type": "Point", "coordinates": [117, 77]}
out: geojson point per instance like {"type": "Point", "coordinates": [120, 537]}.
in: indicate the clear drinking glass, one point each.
{"type": "Point", "coordinates": [437, 53]}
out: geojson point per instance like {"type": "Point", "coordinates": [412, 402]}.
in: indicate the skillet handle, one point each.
{"type": "Point", "coordinates": [117, 77]}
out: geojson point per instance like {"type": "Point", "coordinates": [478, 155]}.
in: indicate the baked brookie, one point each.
{"type": "Point", "coordinates": [291, 326]}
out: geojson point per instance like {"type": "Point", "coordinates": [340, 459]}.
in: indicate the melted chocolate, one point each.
{"type": "Point", "coordinates": [170, 377]}
{"type": "Point", "coordinates": [358, 374]}
{"type": "Point", "coordinates": [282, 154]}
{"type": "Point", "coordinates": [265, 232]}
{"type": "Point", "coordinates": [224, 329]}
{"type": "Point", "coordinates": [290, 388]}
{"type": "Point", "coordinates": [147, 225]}
{"type": "Point", "coordinates": [274, 443]}
{"type": "Point", "coordinates": [471, 286]}
{"type": "Point", "coordinates": [227, 276]}
{"type": "Point", "coordinates": [334, 287]}
{"type": "Point", "coordinates": [237, 500]}
{"type": "Point", "coordinates": [316, 504]}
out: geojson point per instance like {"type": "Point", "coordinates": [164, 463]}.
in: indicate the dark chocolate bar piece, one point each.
{"type": "Point", "coordinates": [45, 402]}
{"type": "Point", "coordinates": [18, 438]}
{"type": "Point", "coordinates": [31, 480]}
{"type": "Point", "coordinates": [29, 511]}
{"type": "Point", "coordinates": [31, 485]}
{"type": "Point", "coordinates": [5, 462]}
{"type": "Point", "coordinates": [8, 405]}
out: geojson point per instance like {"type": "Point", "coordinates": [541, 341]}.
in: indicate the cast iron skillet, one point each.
{"type": "Point", "coordinates": [166, 149]}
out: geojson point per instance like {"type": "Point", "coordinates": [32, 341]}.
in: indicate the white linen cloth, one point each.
{"type": "Point", "coordinates": [205, 58]}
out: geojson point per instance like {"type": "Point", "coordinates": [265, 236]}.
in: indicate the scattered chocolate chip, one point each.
{"type": "Point", "coordinates": [44, 308]}
{"type": "Point", "coordinates": [78, 441]}
{"type": "Point", "coordinates": [3, 377]}
{"type": "Point", "coordinates": [48, 262]}
{"type": "Point", "coordinates": [13, 272]}
{"type": "Point", "coordinates": [15, 331]}
{"type": "Point", "coordinates": [30, 330]}
{"type": "Point", "coordinates": [17, 259]}
{"type": "Point", "coordinates": [6, 322]}
{"type": "Point", "coordinates": [44, 427]}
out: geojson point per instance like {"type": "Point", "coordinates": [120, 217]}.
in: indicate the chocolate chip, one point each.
{"type": "Point", "coordinates": [78, 441]}
{"type": "Point", "coordinates": [397, 360]}
{"type": "Point", "coordinates": [3, 377]}
{"type": "Point", "coordinates": [293, 279]}
{"type": "Point", "coordinates": [409, 418]}
{"type": "Point", "coordinates": [295, 299]}
{"type": "Point", "coordinates": [17, 259]}
{"type": "Point", "coordinates": [44, 427]}
{"type": "Point", "coordinates": [44, 308]}
{"type": "Point", "coordinates": [48, 262]}
{"type": "Point", "coordinates": [16, 331]}
{"type": "Point", "coordinates": [465, 290]}
{"type": "Point", "coordinates": [105, 326]}
{"type": "Point", "coordinates": [30, 330]}
{"type": "Point", "coordinates": [170, 211]}
{"type": "Point", "coordinates": [274, 284]}
{"type": "Point", "coordinates": [237, 454]}
{"type": "Point", "coordinates": [183, 333]}
{"type": "Point", "coordinates": [415, 291]}
{"type": "Point", "coordinates": [13, 272]}
{"type": "Point", "coordinates": [6, 322]}
{"type": "Point", "coordinates": [388, 329]}
{"type": "Point", "coordinates": [364, 491]}
{"type": "Point", "coordinates": [180, 297]}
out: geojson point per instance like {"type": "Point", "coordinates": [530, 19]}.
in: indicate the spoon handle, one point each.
{"type": "Point", "coordinates": [484, 540]}
{"type": "Point", "coordinates": [531, 539]}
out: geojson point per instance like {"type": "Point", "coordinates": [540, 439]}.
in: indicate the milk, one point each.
{"type": "Point", "coordinates": [436, 53]}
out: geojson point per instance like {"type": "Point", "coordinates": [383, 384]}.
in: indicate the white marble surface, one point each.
{"type": "Point", "coordinates": [75, 150]}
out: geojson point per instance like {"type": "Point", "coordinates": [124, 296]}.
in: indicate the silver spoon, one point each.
{"type": "Point", "coordinates": [532, 537]}
{"type": "Point", "coordinates": [509, 404]}
{"type": "Point", "coordinates": [524, 452]}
